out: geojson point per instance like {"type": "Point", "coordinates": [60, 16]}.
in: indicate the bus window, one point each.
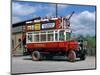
{"type": "Point", "coordinates": [67, 35]}
{"type": "Point", "coordinates": [61, 36]}
{"type": "Point", "coordinates": [30, 37]}
{"type": "Point", "coordinates": [50, 36]}
{"type": "Point", "coordinates": [56, 36]}
{"type": "Point", "coordinates": [43, 36]}
{"type": "Point", "coordinates": [36, 38]}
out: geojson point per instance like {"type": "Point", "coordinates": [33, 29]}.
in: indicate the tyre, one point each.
{"type": "Point", "coordinates": [72, 55]}
{"type": "Point", "coordinates": [83, 57]}
{"type": "Point", "coordinates": [36, 55]}
{"type": "Point", "coordinates": [83, 54]}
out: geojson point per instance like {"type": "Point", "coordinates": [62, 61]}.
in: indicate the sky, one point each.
{"type": "Point", "coordinates": [82, 22]}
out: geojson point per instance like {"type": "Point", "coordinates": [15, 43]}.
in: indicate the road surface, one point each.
{"type": "Point", "coordinates": [24, 64]}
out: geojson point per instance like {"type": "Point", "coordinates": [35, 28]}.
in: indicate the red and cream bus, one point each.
{"type": "Point", "coordinates": [49, 37]}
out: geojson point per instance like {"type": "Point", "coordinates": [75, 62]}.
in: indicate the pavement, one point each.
{"type": "Point", "coordinates": [24, 64]}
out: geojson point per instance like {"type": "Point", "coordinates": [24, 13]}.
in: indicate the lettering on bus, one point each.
{"type": "Point", "coordinates": [39, 45]}
{"type": "Point", "coordinates": [37, 27]}
{"type": "Point", "coordinates": [48, 25]}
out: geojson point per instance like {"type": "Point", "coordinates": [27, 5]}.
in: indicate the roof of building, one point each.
{"type": "Point", "coordinates": [23, 22]}
{"type": "Point", "coordinates": [35, 20]}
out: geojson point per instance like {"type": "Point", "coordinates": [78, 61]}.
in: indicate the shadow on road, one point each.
{"type": "Point", "coordinates": [30, 59]}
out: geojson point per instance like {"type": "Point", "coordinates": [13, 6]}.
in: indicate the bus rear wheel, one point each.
{"type": "Point", "coordinates": [72, 55]}
{"type": "Point", "coordinates": [36, 55]}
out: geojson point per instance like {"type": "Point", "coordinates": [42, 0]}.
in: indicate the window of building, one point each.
{"type": "Point", "coordinates": [19, 41]}
{"type": "Point", "coordinates": [12, 44]}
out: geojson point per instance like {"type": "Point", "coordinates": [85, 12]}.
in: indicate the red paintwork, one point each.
{"type": "Point", "coordinates": [58, 22]}
{"type": "Point", "coordinates": [54, 46]}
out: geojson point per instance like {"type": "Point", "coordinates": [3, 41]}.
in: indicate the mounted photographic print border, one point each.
{"type": "Point", "coordinates": [44, 21]}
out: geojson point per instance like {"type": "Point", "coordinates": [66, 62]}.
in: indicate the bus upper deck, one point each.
{"type": "Point", "coordinates": [48, 36]}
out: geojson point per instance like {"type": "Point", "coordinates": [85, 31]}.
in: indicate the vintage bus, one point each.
{"type": "Point", "coordinates": [49, 37]}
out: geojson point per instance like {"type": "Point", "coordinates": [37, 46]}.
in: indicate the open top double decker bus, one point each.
{"type": "Point", "coordinates": [50, 37]}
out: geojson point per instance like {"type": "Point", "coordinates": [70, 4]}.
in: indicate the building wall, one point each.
{"type": "Point", "coordinates": [16, 39]}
